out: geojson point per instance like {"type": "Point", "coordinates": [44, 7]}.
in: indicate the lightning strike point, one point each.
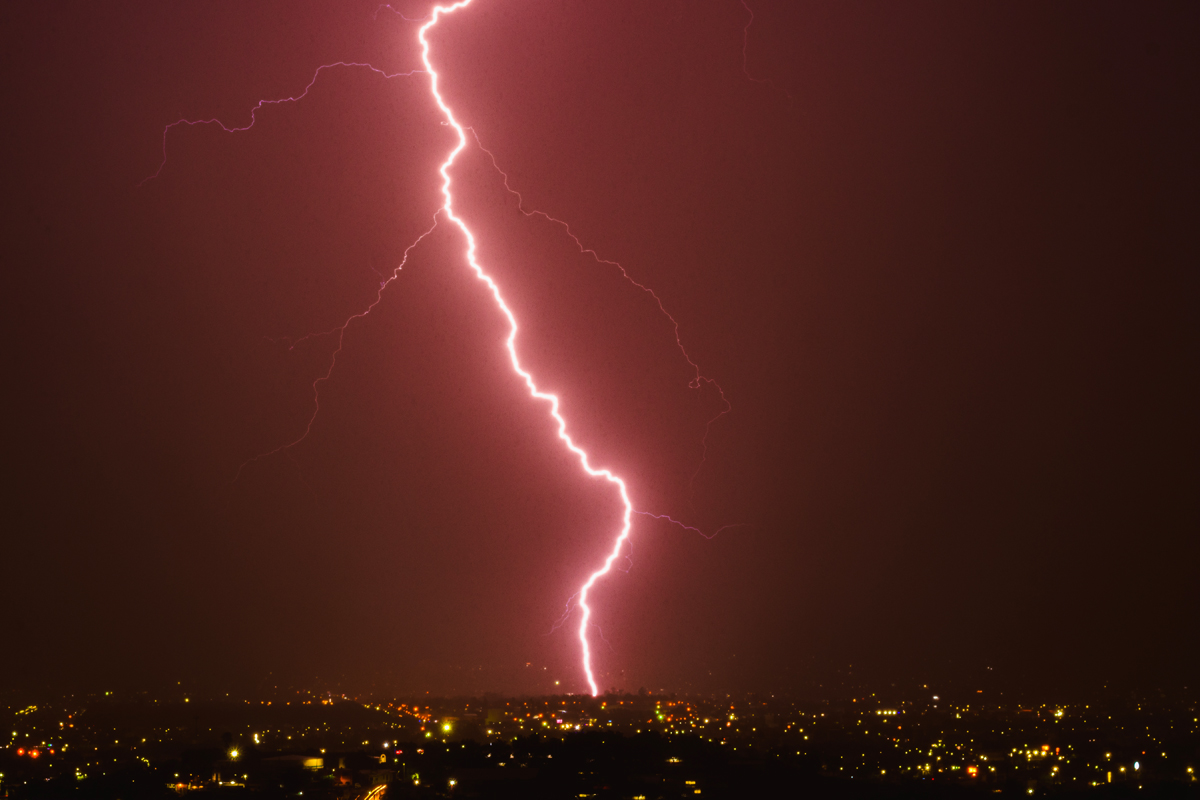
{"type": "Point", "coordinates": [699, 380]}
{"type": "Point", "coordinates": [510, 343]}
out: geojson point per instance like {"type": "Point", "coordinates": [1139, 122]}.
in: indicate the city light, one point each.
{"type": "Point", "coordinates": [936, 745]}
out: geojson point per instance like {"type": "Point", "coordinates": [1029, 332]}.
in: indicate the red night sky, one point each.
{"type": "Point", "coordinates": [941, 258]}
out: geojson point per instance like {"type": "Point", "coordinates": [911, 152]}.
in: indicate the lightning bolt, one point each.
{"type": "Point", "coordinates": [263, 104]}
{"type": "Point", "coordinates": [340, 332]}
{"type": "Point", "coordinates": [686, 527]}
{"type": "Point", "coordinates": [746, 44]}
{"type": "Point", "coordinates": [388, 6]}
{"type": "Point", "coordinates": [511, 345]}
{"type": "Point", "coordinates": [699, 380]}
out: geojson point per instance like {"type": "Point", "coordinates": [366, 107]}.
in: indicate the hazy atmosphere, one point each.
{"type": "Point", "coordinates": [940, 259]}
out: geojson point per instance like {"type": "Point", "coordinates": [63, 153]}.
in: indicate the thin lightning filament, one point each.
{"type": "Point", "coordinates": [510, 343]}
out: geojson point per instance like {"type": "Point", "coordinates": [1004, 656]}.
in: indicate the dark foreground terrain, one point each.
{"type": "Point", "coordinates": [618, 746]}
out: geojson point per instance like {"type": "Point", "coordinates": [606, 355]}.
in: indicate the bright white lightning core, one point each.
{"type": "Point", "coordinates": [510, 343]}
{"type": "Point", "coordinates": [699, 380]}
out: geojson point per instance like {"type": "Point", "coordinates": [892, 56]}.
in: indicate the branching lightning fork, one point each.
{"type": "Point", "coordinates": [447, 208]}
{"type": "Point", "coordinates": [264, 103]}
{"type": "Point", "coordinates": [698, 378]}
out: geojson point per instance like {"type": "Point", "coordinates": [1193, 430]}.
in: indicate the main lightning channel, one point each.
{"type": "Point", "coordinates": [584, 460]}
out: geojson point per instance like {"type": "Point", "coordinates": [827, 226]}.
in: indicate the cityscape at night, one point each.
{"type": "Point", "coordinates": [639, 745]}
